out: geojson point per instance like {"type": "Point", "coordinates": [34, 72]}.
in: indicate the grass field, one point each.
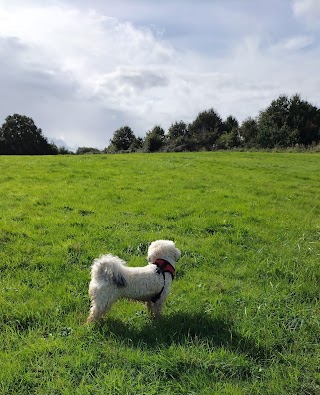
{"type": "Point", "coordinates": [243, 316]}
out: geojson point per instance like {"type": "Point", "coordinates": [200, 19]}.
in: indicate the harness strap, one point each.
{"type": "Point", "coordinates": [156, 297]}
{"type": "Point", "coordinates": [163, 267]}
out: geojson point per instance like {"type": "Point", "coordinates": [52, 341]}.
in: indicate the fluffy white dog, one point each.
{"type": "Point", "coordinates": [111, 279]}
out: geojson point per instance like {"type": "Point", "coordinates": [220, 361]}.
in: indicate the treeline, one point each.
{"type": "Point", "coordinates": [287, 122]}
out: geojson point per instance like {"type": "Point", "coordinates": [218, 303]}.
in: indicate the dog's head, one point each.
{"type": "Point", "coordinates": [163, 249]}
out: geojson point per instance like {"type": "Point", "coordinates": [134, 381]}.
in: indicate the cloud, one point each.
{"type": "Point", "coordinates": [308, 11]}
{"type": "Point", "coordinates": [53, 54]}
{"type": "Point", "coordinates": [296, 43]}
{"type": "Point", "coordinates": [139, 80]}
{"type": "Point", "coordinates": [82, 73]}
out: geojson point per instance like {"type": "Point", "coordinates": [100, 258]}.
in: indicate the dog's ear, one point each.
{"type": "Point", "coordinates": [152, 256]}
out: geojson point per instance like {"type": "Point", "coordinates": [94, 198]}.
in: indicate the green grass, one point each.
{"type": "Point", "coordinates": [243, 316]}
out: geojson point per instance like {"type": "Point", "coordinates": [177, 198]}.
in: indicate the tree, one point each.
{"type": "Point", "coordinates": [271, 136]}
{"type": "Point", "coordinates": [273, 128]}
{"type": "Point", "coordinates": [248, 132]}
{"type": "Point", "coordinates": [206, 129]}
{"type": "Point", "coordinates": [137, 145]}
{"type": "Point", "coordinates": [287, 122]}
{"type": "Point", "coordinates": [122, 139]}
{"type": "Point", "coordinates": [229, 140]}
{"type": "Point", "coordinates": [20, 136]}
{"type": "Point", "coordinates": [230, 137]}
{"type": "Point", "coordinates": [230, 124]}
{"type": "Point", "coordinates": [60, 150]}
{"type": "Point", "coordinates": [305, 118]}
{"type": "Point", "coordinates": [87, 150]}
{"type": "Point", "coordinates": [64, 151]}
{"type": "Point", "coordinates": [179, 137]}
{"type": "Point", "coordinates": [154, 140]}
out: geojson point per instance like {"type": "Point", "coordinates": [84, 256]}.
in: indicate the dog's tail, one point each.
{"type": "Point", "coordinates": [109, 268]}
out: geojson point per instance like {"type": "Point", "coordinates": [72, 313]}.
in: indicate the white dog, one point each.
{"type": "Point", "coordinates": [111, 279]}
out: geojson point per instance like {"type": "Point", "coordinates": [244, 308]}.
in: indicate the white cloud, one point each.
{"type": "Point", "coordinates": [94, 59]}
{"type": "Point", "coordinates": [296, 43]}
{"type": "Point", "coordinates": [308, 11]}
{"type": "Point", "coordinates": [82, 74]}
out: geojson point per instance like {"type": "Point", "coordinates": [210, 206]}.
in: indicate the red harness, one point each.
{"type": "Point", "coordinates": [164, 267]}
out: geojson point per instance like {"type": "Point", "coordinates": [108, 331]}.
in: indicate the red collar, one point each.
{"type": "Point", "coordinates": [164, 266]}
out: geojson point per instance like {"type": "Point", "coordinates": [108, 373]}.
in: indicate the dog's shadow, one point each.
{"type": "Point", "coordinates": [184, 328]}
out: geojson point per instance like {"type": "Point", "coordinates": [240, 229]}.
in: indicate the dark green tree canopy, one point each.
{"type": "Point", "coordinates": [177, 131]}
{"type": "Point", "coordinates": [288, 121]}
{"type": "Point", "coordinates": [87, 150]}
{"type": "Point", "coordinates": [179, 137]}
{"type": "Point", "coordinates": [20, 136]}
{"type": "Point", "coordinates": [305, 118]}
{"type": "Point", "coordinates": [230, 124]}
{"type": "Point", "coordinates": [248, 132]}
{"type": "Point", "coordinates": [123, 138]}
{"type": "Point", "coordinates": [154, 140]}
{"type": "Point", "coordinates": [206, 129]}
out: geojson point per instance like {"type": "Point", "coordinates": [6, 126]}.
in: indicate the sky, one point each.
{"type": "Point", "coordinates": [83, 69]}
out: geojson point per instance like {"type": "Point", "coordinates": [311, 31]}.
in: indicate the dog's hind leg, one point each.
{"type": "Point", "coordinates": [97, 312]}
{"type": "Point", "coordinates": [94, 314]}
{"type": "Point", "coordinates": [99, 306]}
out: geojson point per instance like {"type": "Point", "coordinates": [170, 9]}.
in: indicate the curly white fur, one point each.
{"type": "Point", "coordinates": [111, 279]}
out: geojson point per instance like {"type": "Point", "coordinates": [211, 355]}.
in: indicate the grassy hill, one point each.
{"type": "Point", "coordinates": [243, 316]}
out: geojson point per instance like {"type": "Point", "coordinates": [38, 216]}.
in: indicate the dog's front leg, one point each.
{"type": "Point", "coordinates": [150, 307]}
{"type": "Point", "coordinates": [157, 308]}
